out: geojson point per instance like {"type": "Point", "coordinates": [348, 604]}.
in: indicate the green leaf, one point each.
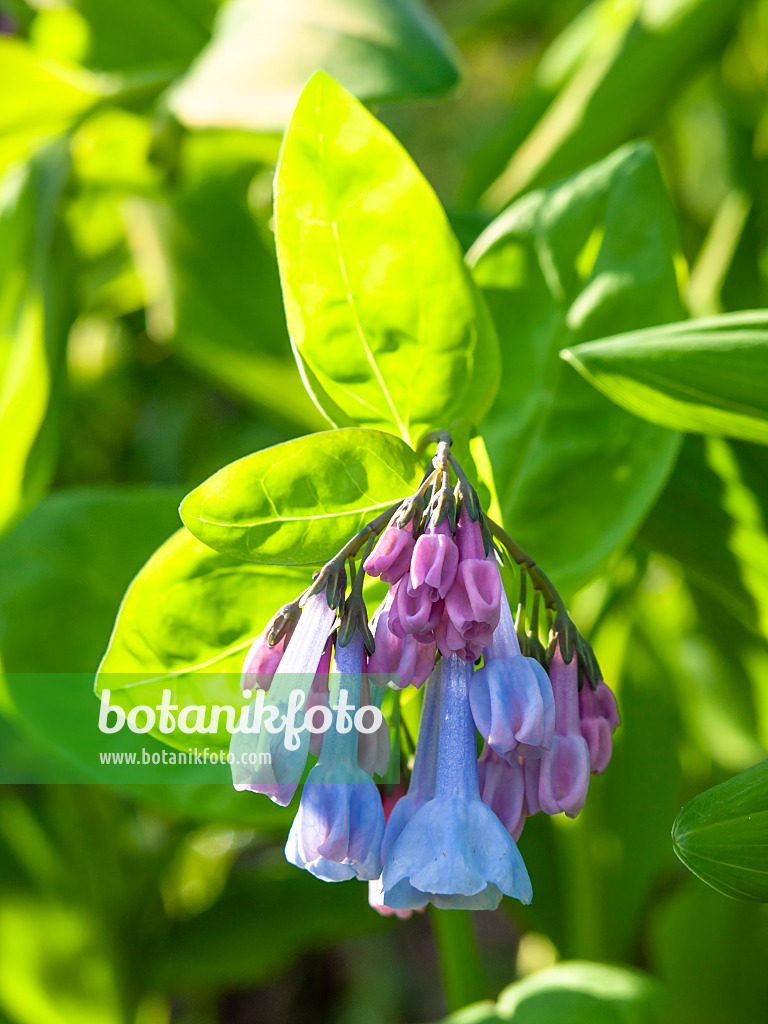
{"type": "Point", "coordinates": [299, 502]}
{"type": "Point", "coordinates": [722, 835]}
{"type": "Point", "coordinates": [706, 376]}
{"type": "Point", "coordinates": [133, 34]}
{"type": "Point", "coordinates": [613, 69]}
{"type": "Point", "coordinates": [195, 254]}
{"type": "Point", "coordinates": [576, 992]}
{"type": "Point", "coordinates": [186, 623]}
{"type": "Point", "coordinates": [34, 320]}
{"type": "Point", "coordinates": [263, 51]}
{"type": "Point", "coordinates": [575, 474]}
{"type": "Point", "coordinates": [387, 321]}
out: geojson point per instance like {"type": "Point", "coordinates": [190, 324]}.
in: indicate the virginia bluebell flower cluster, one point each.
{"type": "Point", "coordinates": [447, 833]}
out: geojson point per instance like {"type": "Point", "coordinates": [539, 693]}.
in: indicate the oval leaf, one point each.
{"type": "Point", "coordinates": [299, 502]}
{"type": "Point", "coordinates": [186, 623]}
{"type": "Point", "coordinates": [576, 474]}
{"type": "Point", "coordinates": [263, 51]}
{"type": "Point", "coordinates": [706, 376]}
{"type": "Point", "coordinates": [722, 835]}
{"type": "Point", "coordinates": [380, 305]}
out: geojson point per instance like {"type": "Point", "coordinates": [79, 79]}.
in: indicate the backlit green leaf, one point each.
{"type": "Point", "coordinates": [706, 376]}
{"type": "Point", "coordinates": [380, 305]}
{"type": "Point", "coordinates": [575, 474]}
{"type": "Point", "coordinates": [722, 835]}
{"type": "Point", "coordinates": [34, 320]}
{"type": "Point", "coordinates": [299, 502]}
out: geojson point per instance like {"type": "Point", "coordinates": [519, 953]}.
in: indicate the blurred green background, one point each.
{"type": "Point", "coordinates": [143, 345]}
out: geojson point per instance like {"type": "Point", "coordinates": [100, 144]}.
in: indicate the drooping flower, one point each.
{"type": "Point", "coordinates": [339, 826]}
{"type": "Point", "coordinates": [511, 696]}
{"type": "Point", "coordinates": [598, 718]}
{"type": "Point", "coordinates": [390, 559]}
{"type": "Point", "coordinates": [414, 613]}
{"type": "Point", "coordinates": [262, 761]}
{"type": "Point", "coordinates": [454, 849]}
{"type": "Point", "coordinates": [434, 562]}
{"type": "Point", "coordinates": [502, 788]}
{"type": "Point", "coordinates": [564, 771]}
{"type": "Point", "coordinates": [472, 605]}
{"type": "Point", "coordinates": [405, 661]}
{"type": "Point", "coordinates": [375, 892]}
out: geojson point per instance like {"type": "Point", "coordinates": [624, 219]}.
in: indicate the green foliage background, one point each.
{"type": "Point", "coordinates": [603, 165]}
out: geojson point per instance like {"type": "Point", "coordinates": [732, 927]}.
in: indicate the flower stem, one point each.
{"type": "Point", "coordinates": [462, 970]}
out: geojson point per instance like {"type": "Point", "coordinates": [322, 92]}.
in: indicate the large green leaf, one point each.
{"type": "Point", "coordinates": [216, 295]}
{"type": "Point", "coordinates": [575, 991]}
{"type": "Point", "coordinates": [299, 502]}
{"type": "Point", "coordinates": [380, 306]}
{"type": "Point", "coordinates": [722, 835]}
{"type": "Point", "coordinates": [707, 376]}
{"type": "Point", "coordinates": [263, 52]}
{"type": "Point", "coordinates": [186, 623]}
{"type": "Point", "coordinates": [34, 320]}
{"type": "Point", "coordinates": [575, 474]}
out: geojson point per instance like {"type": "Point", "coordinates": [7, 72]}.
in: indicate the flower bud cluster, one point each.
{"type": "Point", "coordinates": [450, 837]}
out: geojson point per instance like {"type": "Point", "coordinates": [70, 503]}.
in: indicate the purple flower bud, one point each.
{"type": "Point", "coordinates": [450, 640]}
{"type": "Point", "coordinates": [434, 562]}
{"type": "Point", "coordinates": [261, 662]}
{"type": "Point", "coordinates": [597, 711]}
{"type": "Point", "coordinates": [564, 772]}
{"type": "Point", "coordinates": [416, 613]}
{"type": "Point", "coordinates": [502, 788]}
{"type": "Point", "coordinates": [469, 538]}
{"type": "Point", "coordinates": [407, 660]}
{"type": "Point", "coordinates": [391, 557]}
{"type": "Point", "coordinates": [605, 705]}
{"type": "Point", "coordinates": [473, 604]}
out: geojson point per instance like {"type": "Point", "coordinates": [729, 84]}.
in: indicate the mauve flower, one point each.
{"type": "Point", "coordinates": [434, 562]}
{"type": "Point", "coordinates": [605, 705]}
{"type": "Point", "coordinates": [473, 604]}
{"type": "Point", "coordinates": [502, 788]}
{"type": "Point", "coordinates": [597, 712]}
{"type": "Point", "coordinates": [339, 826]}
{"type": "Point", "coordinates": [261, 662]}
{"type": "Point", "coordinates": [454, 849]}
{"type": "Point", "coordinates": [391, 557]}
{"type": "Point", "coordinates": [375, 892]}
{"type": "Point", "coordinates": [279, 775]}
{"type": "Point", "coordinates": [405, 661]}
{"type": "Point", "coordinates": [564, 772]}
{"type": "Point", "coordinates": [511, 696]}
{"type": "Point", "coordinates": [416, 614]}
